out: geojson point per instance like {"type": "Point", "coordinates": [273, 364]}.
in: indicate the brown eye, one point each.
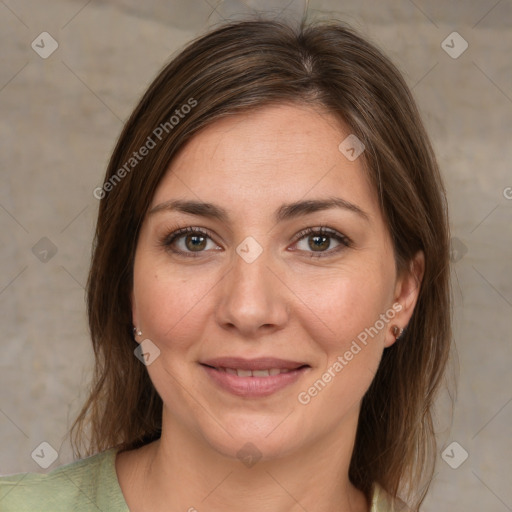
{"type": "Point", "coordinates": [195, 242]}
{"type": "Point", "coordinates": [189, 241]}
{"type": "Point", "coordinates": [320, 241]}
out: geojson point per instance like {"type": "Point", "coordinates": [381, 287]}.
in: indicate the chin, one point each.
{"type": "Point", "coordinates": [250, 450]}
{"type": "Point", "coordinates": [263, 440]}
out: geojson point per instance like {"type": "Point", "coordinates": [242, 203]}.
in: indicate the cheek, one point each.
{"type": "Point", "coordinates": [172, 311]}
{"type": "Point", "coordinates": [351, 345]}
{"type": "Point", "coordinates": [341, 304]}
{"type": "Point", "coordinates": [169, 306]}
{"type": "Point", "coordinates": [349, 315]}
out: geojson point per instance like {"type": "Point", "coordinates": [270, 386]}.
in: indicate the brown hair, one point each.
{"type": "Point", "coordinates": [242, 66]}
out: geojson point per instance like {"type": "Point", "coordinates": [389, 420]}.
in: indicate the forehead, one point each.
{"type": "Point", "coordinates": [265, 157]}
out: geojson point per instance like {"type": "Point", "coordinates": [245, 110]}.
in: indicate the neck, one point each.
{"type": "Point", "coordinates": [181, 471]}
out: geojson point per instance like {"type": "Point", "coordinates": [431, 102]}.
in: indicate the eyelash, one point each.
{"type": "Point", "coordinates": [345, 242]}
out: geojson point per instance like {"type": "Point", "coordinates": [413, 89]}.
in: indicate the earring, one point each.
{"type": "Point", "coordinates": [397, 331]}
{"type": "Point", "coordinates": [137, 332]}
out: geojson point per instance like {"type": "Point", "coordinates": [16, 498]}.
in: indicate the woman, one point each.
{"type": "Point", "coordinates": [269, 292]}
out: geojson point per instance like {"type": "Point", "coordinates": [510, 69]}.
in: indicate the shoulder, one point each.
{"type": "Point", "coordinates": [83, 485]}
{"type": "Point", "coordinates": [383, 502]}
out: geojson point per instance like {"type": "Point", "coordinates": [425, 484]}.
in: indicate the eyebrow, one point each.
{"type": "Point", "coordinates": [284, 212]}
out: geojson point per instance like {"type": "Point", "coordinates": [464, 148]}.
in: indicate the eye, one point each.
{"type": "Point", "coordinates": [192, 241]}
{"type": "Point", "coordinates": [189, 240]}
{"type": "Point", "coordinates": [320, 241]}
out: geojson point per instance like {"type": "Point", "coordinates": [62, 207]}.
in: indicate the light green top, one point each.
{"type": "Point", "coordinates": [85, 485]}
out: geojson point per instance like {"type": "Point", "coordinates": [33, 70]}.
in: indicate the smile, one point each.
{"type": "Point", "coordinates": [253, 373]}
{"type": "Point", "coordinates": [253, 378]}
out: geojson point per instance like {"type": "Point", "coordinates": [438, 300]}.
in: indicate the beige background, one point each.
{"type": "Point", "coordinates": [61, 117]}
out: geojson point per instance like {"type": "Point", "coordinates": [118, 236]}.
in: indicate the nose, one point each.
{"type": "Point", "coordinates": [252, 299]}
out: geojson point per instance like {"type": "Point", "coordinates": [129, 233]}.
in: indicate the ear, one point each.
{"type": "Point", "coordinates": [135, 322]}
{"type": "Point", "coordinates": [407, 289]}
{"type": "Point", "coordinates": [134, 309]}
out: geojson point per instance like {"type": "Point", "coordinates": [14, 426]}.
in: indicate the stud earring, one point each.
{"type": "Point", "coordinates": [137, 332]}
{"type": "Point", "coordinates": [397, 332]}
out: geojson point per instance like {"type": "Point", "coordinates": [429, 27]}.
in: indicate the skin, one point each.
{"type": "Point", "coordinates": [284, 304]}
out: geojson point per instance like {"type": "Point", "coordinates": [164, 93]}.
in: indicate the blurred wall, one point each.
{"type": "Point", "coordinates": [62, 113]}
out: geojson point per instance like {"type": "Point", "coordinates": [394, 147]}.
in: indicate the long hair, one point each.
{"type": "Point", "coordinates": [239, 67]}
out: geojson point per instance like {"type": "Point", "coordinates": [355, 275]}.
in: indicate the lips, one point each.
{"type": "Point", "coordinates": [252, 378]}
{"type": "Point", "coordinates": [261, 363]}
{"type": "Point", "coordinates": [239, 372]}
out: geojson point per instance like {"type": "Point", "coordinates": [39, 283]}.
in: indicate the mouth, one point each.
{"type": "Point", "coordinates": [253, 373]}
{"type": "Point", "coordinates": [252, 378]}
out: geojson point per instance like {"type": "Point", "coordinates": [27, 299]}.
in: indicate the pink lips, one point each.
{"type": "Point", "coordinates": [253, 377]}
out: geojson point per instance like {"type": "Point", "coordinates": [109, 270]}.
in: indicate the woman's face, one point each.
{"type": "Point", "coordinates": [252, 286]}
